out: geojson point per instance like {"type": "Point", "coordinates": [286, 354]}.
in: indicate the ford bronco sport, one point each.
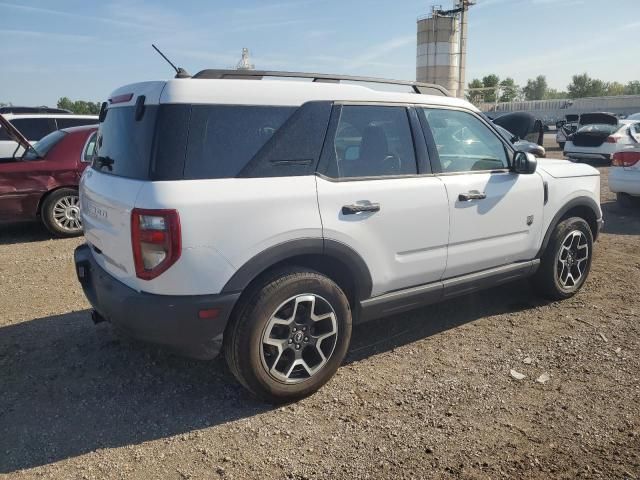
{"type": "Point", "coordinates": [264, 218]}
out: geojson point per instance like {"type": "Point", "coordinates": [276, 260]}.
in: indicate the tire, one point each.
{"type": "Point", "coordinates": [568, 240]}
{"type": "Point", "coordinates": [60, 213]}
{"type": "Point", "coordinates": [561, 144]}
{"type": "Point", "coordinates": [625, 200]}
{"type": "Point", "coordinates": [285, 296]}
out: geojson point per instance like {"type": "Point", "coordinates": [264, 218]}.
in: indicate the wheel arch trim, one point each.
{"type": "Point", "coordinates": [581, 201]}
{"type": "Point", "coordinates": [300, 247]}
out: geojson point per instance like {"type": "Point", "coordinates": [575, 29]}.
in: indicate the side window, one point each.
{"type": "Point", "coordinates": [464, 143]}
{"type": "Point", "coordinates": [34, 128]}
{"type": "Point", "coordinates": [89, 150]}
{"type": "Point", "coordinates": [224, 138]}
{"type": "Point", "coordinates": [3, 135]}
{"type": "Point", "coordinates": [372, 141]}
{"type": "Point", "coordinates": [74, 122]}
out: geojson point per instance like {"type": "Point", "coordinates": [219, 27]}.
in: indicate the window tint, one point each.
{"type": "Point", "coordinates": [87, 155]}
{"type": "Point", "coordinates": [123, 145]}
{"type": "Point", "coordinates": [372, 141]}
{"type": "Point", "coordinates": [464, 143]}
{"type": "Point", "coordinates": [75, 122]}
{"type": "Point", "coordinates": [34, 129]}
{"type": "Point", "coordinates": [224, 138]}
{"type": "Point", "coordinates": [3, 135]}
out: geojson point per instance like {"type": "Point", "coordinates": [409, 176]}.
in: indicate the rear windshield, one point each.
{"type": "Point", "coordinates": [124, 144]}
{"type": "Point", "coordinates": [45, 145]}
{"type": "Point", "coordinates": [172, 142]}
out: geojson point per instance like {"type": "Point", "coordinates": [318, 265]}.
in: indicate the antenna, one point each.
{"type": "Point", "coordinates": [180, 72]}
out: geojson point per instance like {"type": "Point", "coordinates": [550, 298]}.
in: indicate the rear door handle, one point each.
{"type": "Point", "coordinates": [472, 195]}
{"type": "Point", "coordinates": [355, 209]}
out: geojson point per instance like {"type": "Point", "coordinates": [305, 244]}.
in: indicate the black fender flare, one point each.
{"type": "Point", "coordinates": [339, 251]}
{"type": "Point", "coordinates": [575, 202]}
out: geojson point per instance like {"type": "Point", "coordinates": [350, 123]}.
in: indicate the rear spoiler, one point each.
{"type": "Point", "coordinates": [15, 134]}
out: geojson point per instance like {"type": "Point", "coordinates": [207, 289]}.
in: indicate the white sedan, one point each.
{"type": "Point", "coordinates": [600, 135]}
{"type": "Point", "coordinates": [624, 176]}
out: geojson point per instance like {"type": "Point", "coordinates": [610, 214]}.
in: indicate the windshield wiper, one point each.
{"type": "Point", "coordinates": [105, 162]}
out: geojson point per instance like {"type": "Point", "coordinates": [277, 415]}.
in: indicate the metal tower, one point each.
{"type": "Point", "coordinates": [245, 63]}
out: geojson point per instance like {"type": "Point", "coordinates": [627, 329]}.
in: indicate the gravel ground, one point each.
{"type": "Point", "coordinates": [422, 395]}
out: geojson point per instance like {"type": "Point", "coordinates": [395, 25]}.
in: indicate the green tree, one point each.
{"type": "Point", "coordinates": [632, 88]}
{"type": "Point", "coordinates": [80, 107]}
{"type": "Point", "coordinates": [584, 86]}
{"type": "Point", "coordinates": [488, 82]}
{"type": "Point", "coordinates": [509, 90]}
{"type": "Point", "coordinates": [553, 94]}
{"type": "Point", "coordinates": [536, 89]}
{"type": "Point", "coordinates": [476, 96]}
{"type": "Point", "coordinates": [615, 88]}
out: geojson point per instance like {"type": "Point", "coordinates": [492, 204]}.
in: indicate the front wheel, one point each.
{"type": "Point", "coordinates": [61, 213]}
{"type": "Point", "coordinates": [566, 262]}
{"type": "Point", "coordinates": [289, 335]}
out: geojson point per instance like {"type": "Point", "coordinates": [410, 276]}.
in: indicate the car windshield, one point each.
{"type": "Point", "coordinates": [635, 116]}
{"type": "Point", "coordinates": [42, 147]}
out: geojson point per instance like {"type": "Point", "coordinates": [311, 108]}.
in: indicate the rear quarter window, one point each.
{"type": "Point", "coordinates": [224, 138]}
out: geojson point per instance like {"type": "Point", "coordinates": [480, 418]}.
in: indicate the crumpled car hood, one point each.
{"type": "Point", "coordinates": [565, 169]}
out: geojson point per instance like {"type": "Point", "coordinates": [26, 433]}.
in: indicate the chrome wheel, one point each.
{"type": "Point", "coordinates": [571, 260]}
{"type": "Point", "coordinates": [66, 214]}
{"type": "Point", "coordinates": [299, 338]}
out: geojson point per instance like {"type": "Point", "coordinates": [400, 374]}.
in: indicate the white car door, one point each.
{"type": "Point", "coordinates": [373, 198]}
{"type": "Point", "coordinates": [495, 213]}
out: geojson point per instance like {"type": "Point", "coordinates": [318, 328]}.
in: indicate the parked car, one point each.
{"type": "Point", "coordinates": [265, 218]}
{"type": "Point", "coordinates": [35, 126]}
{"type": "Point", "coordinates": [42, 183]}
{"type": "Point", "coordinates": [600, 135]}
{"type": "Point", "coordinates": [524, 125]}
{"type": "Point", "coordinates": [635, 116]}
{"type": "Point", "coordinates": [565, 128]}
{"type": "Point", "coordinates": [19, 109]}
{"type": "Point", "coordinates": [624, 176]}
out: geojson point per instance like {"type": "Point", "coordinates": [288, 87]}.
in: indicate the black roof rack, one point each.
{"type": "Point", "coordinates": [418, 87]}
{"type": "Point", "coordinates": [13, 109]}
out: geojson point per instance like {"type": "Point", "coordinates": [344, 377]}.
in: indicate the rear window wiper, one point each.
{"type": "Point", "coordinates": [104, 162]}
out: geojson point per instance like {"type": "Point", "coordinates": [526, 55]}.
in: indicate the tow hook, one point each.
{"type": "Point", "coordinates": [97, 318]}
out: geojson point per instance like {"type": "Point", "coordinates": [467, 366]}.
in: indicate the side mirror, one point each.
{"type": "Point", "coordinates": [524, 163]}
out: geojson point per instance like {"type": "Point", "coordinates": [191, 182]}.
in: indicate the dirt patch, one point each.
{"type": "Point", "coordinates": [427, 394]}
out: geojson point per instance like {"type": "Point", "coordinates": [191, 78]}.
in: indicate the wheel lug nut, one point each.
{"type": "Point", "coordinates": [297, 346]}
{"type": "Point", "coordinates": [290, 341]}
{"type": "Point", "coordinates": [295, 329]}
{"type": "Point", "coordinates": [304, 329]}
{"type": "Point", "coordinates": [306, 339]}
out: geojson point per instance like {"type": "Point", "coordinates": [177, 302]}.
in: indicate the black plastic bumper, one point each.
{"type": "Point", "coordinates": [169, 320]}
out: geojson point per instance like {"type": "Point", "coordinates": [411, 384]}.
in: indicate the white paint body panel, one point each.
{"type": "Point", "coordinates": [405, 243]}
{"type": "Point", "coordinates": [493, 231]}
{"type": "Point", "coordinates": [625, 179]}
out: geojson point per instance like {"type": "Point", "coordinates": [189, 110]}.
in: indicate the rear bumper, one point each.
{"type": "Point", "coordinates": [624, 180]}
{"type": "Point", "coordinates": [169, 320]}
{"type": "Point", "coordinates": [588, 156]}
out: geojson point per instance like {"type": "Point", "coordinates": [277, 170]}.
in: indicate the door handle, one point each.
{"type": "Point", "coordinates": [472, 195]}
{"type": "Point", "coordinates": [355, 209]}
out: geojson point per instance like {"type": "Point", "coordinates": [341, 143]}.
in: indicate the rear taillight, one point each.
{"type": "Point", "coordinates": [156, 241]}
{"type": "Point", "coordinates": [625, 159]}
{"type": "Point", "coordinates": [612, 139]}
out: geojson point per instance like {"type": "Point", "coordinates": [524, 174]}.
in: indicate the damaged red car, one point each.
{"type": "Point", "coordinates": [42, 182]}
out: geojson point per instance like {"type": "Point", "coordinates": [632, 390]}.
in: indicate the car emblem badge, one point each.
{"type": "Point", "coordinates": [529, 220]}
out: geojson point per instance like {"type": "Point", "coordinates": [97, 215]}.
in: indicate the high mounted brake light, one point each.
{"type": "Point", "coordinates": [156, 241]}
{"type": "Point", "coordinates": [125, 97]}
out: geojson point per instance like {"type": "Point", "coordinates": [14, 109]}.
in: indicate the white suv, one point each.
{"type": "Point", "coordinates": [264, 218]}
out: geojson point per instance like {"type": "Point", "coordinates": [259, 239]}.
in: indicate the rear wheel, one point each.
{"type": "Point", "coordinates": [566, 262]}
{"type": "Point", "coordinates": [61, 213]}
{"type": "Point", "coordinates": [291, 333]}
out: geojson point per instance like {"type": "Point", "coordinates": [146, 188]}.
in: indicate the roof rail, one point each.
{"type": "Point", "coordinates": [418, 87]}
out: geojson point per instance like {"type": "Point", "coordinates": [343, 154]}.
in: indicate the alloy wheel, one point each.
{"type": "Point", "coordinates": [299, 338]}
{"type": "Point", "coordinates": [66, 214]}
{"type": "Point", "coordinates": [571, 260]}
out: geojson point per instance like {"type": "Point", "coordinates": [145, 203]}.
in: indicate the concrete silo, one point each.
{"type": "Point", "coordinates": [441, 53]}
